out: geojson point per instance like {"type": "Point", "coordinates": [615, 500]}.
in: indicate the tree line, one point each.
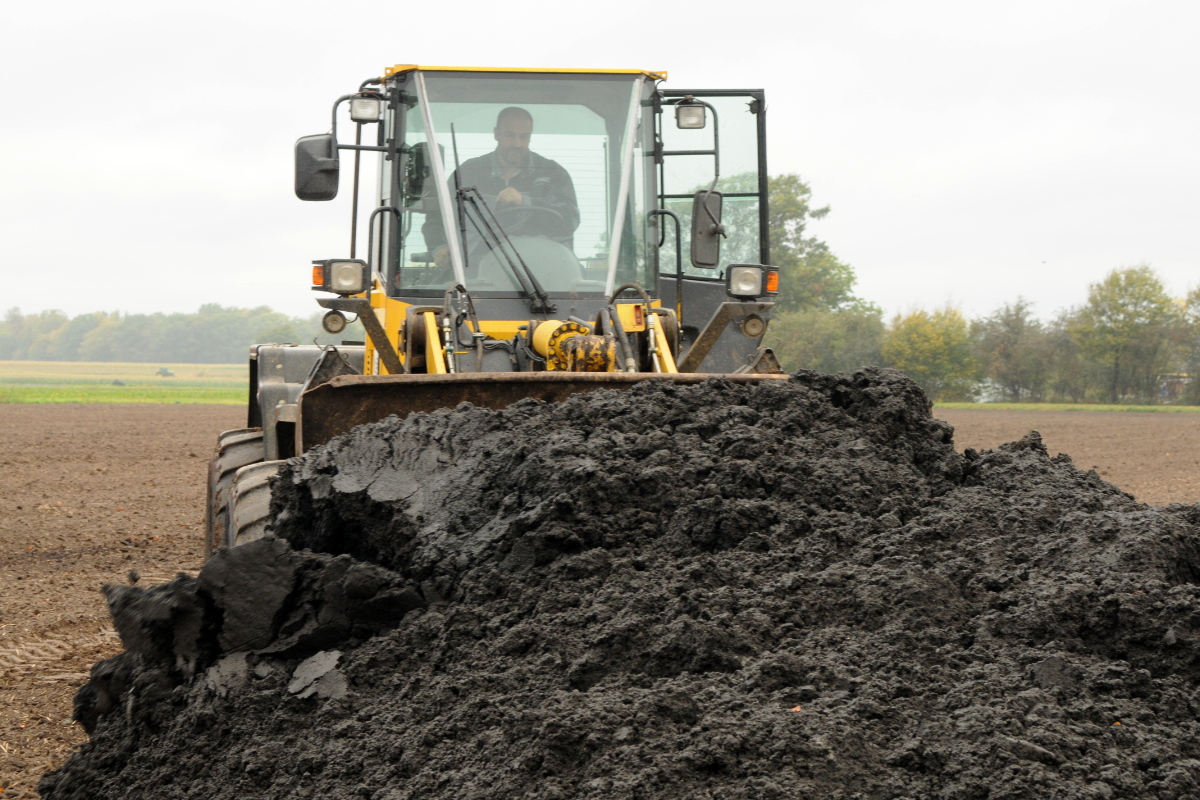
{"type": "Point", "coordinates": [213, 335]}
{"type": "Point", "coordinates": [1131, 342]}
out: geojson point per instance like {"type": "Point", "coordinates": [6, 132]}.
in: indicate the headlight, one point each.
{"type": "Point", "coordinates": [689, 117]}
{"type": "Point", "coordinates": [365, 109]}
{"type": "Point", "coordinates": [346, 277]}
{"type": "Point", "coordinates": [744, 281]}
{"type": "Point", "coordinates": [341, 276]}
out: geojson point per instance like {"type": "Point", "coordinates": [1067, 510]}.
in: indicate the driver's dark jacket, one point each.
{"type": "Point", "coordinates": [540, 181]}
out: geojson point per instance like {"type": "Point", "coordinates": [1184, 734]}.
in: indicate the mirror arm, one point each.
{"type": "Point", "coordinates": [717, 227]}
{"type": "Point", "coordinates": [716, 139]}
{"type": "Point", "coordinates": [666, 212]}
{"type": "Point", "coordinates": [336, 103]}
{"type": "Point", "coordinates": [371, 239]}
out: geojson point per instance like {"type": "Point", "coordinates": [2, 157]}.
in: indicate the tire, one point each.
{"type": "Point", "coordinates": [235, 449]}
{"type": "Point", "coordinates": [249, 509]}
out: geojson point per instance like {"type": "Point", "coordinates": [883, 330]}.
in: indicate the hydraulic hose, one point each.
{"type": "Point", "coordinates": [637, 288]}
{"type": "Point", "coordinates": [651, 333]}
{"type": "Point", "coordinates": [622, 339]}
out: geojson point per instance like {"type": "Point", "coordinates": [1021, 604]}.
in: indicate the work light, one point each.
{"type": "Point", "coordinates": [334, 322]}
{"type": "Point", "coordinates": [690, 117]}
{"type": "Point", "coordinates": [754, 326]}
{"type": "Point", "coordinates": [365, 108]}
{"type": "Point", "coordinates": [744, 281]}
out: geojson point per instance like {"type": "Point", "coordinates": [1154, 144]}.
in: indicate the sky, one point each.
{"type": "Point", "coordinates": [971, 152]}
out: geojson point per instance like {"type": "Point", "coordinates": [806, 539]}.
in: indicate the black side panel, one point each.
{"type": "Point", "coordinates": [701, 300]}
{"type": "Point", "coordinates": [253, 412]}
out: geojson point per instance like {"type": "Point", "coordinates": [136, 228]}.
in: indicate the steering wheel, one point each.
{"type": "Point", "coordinates": [532, 221]}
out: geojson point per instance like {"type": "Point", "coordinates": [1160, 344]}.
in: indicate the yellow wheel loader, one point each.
{"type": "Point", "coordinates": [535, 233]}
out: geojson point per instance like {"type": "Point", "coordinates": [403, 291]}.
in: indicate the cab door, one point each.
{"type": "Point", "coordinates": [731, 148]}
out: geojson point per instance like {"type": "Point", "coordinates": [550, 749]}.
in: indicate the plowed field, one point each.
{"type": "Point", "coordinates": [89, 493]}
{"type": "Point", "coordinates": [1154, 456]}
{"type": "Point", "coordinates": [93, 492]}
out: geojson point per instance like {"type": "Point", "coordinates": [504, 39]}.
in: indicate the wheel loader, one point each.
{"type": "Point", "coordinates": [535, 233]}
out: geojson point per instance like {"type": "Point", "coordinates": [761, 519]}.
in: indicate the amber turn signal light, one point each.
{"type": "Point", "coordinates": [318, 274]}
{"type": "Point", "coordinates": [772, 282]}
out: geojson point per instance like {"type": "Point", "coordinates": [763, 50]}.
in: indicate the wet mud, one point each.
{"type": "Point", "coordinates": [796, 589]}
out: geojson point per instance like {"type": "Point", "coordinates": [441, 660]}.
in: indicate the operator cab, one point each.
{"type": "Point", "coordinates": [506, 169]}
{"type": "Point", "coordinates": [540, 192]}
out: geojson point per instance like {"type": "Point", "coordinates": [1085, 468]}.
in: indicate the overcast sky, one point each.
{"type": "Point", "coordinates": [972, 152]}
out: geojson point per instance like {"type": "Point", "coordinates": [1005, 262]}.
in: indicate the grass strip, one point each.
{"type": "Point", "coordinates": [123, 394]}
{"type": "Point", "coordinates": [1063, 407]}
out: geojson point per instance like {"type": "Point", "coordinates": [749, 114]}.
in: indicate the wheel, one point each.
{"type": "Point", "coordinates": [532, 221]}
{"type": "Point", "coordinates": [235, 449]}
{"type": "Point", "coordinates": [249, 508]}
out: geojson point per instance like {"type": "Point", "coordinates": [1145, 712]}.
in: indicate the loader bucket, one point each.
{"type": "Point", "coordinates": [335, 407]}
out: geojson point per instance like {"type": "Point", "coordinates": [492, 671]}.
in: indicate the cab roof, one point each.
{"type": "Point", "coordinates": [398, 69]}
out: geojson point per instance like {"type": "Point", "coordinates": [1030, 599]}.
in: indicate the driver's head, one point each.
{"type": "Point", "coordinates": [514, 126]}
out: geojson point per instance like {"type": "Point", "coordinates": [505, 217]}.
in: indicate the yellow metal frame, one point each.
{"type": "Point", "coordinates": [392, 313]}
{"type": "Point", "coordinates": [666, 361]}
{"type": "Point", "coordinates": [628, 315]}
{"type": "Point", "coordinates": [399, 69]}
{"type": "Point", "coordinates": [434, 363]}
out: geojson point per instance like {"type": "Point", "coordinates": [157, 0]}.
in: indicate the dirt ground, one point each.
{"type": "Point", "coordinates": [91, 492]}
{"type": "Point", "coordinates": [1154, 456]}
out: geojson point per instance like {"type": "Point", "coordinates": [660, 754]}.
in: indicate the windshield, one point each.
{"type": "Point", "coordinates": [532, 172]}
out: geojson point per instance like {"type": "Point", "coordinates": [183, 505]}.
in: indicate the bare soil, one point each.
{"type": "Point", "coordinates": [1154, 456]}
{"type": "Point", "coordinates": [91, 492]}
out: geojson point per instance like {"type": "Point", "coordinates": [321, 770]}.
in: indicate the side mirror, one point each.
{"type": "Point", "coordinates": [317, 167]}
{"type": "Point", "coordinates": [418, 188]}
{"type": "Point", "coordinates": [707, 229]}
{"type": "Point", "coordinates": [415, 173]}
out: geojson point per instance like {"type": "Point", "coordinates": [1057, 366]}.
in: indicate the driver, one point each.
{"type": "Point", "coordinates": [508, 177]}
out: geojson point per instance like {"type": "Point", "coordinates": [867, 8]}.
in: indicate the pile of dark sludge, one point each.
{"type": "Point", "coordinates": [795, 589]}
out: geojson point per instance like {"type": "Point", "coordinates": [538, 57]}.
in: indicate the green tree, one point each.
{"type": "Point", "coordinates": [71, 336]}
{"type": "Point", "coordinates": [829, 341]}
{"type": "Point", "coordinates": [1191, 346]}
{"type": "Point", "coordinates": [811, 276]}
{"type": "Point", "coordinates": [30, 336]}
{"type": "Point", "coordinates": [10, 335]}
{"type": "Point", "coordinates": [1130, 327]}
{"type": "Point", "coordinates": [1069, 374]}
{"type": "Point", "coordinates": [934, 349]}
{"type": "Point", "coordinates": [1011, 349]}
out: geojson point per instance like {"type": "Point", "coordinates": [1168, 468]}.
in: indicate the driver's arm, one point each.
{"type": "Point", "coordinates": [433, 230]}
{"type": "Point", "coordinates": [554, 189]}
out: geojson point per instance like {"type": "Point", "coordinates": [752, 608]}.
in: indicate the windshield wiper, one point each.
{"type": "Point", "coordinates": [539, 301]}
